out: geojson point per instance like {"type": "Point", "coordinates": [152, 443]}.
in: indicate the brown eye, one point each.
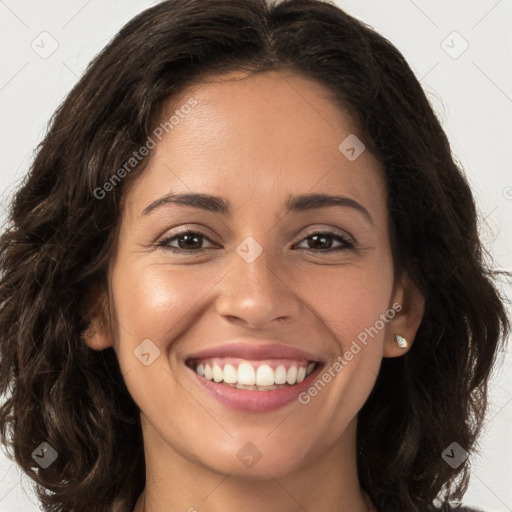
{"type": "Point", "coordinates": [322, 242]}
{"type": "Point", "coordinates": [189, 242]}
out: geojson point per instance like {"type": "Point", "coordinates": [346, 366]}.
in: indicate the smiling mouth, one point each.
{"type": "Point", "coordinates": [265, 375]}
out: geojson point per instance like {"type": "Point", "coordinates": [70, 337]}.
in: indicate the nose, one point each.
{"type": "Point", "coordinates": [257, 294]}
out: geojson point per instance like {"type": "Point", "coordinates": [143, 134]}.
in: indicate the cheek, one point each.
{"type": "Point", "coordinates": [351, 303]}
{"type": "Point", "coordinates": [350, 300]}
{"type": "Point", "coordinates": [156, 302]}
{"type": "Point", "coordinates": [152, 303]}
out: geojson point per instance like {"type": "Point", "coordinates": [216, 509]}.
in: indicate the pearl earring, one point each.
{"type": "Point", "coordinates": [401, 341]}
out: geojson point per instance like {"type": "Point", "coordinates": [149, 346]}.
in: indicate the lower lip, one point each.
{"type": "Point", "coordinates": [255, 401]}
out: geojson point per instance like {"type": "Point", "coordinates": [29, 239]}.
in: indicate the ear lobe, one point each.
{"type": "Point", "coordinates": [96, 335]}
{"type": "Point", "coordinates": [407, 320]}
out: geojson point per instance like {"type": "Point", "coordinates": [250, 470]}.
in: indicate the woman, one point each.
{"type": "Point", "coordinates": [241, 275]}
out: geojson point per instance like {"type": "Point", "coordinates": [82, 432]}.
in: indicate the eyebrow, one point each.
{"type": "Point", "coordinates": [217, 204]}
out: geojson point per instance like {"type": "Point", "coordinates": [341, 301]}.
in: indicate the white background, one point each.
{"type": "Point", "coordinates": [472, 95]}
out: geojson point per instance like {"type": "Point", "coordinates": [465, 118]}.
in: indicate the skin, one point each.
{"type": "Point", "coordinates": [254, 139]}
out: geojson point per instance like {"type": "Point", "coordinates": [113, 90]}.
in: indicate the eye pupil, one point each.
{"type": "Point", "coordinates": [189, 237]}
{"type": "Point", "coordinates": [325, 244]}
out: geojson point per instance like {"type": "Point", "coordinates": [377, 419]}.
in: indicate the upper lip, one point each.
{"type": "Point", "coordinates": [253, 351]}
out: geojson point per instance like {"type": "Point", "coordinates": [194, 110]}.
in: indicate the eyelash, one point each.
{"type": "Point", "coordinates": [346, 241]}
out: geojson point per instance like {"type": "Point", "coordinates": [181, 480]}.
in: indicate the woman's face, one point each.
{"type": "Point", "coordinates": [279, 286]}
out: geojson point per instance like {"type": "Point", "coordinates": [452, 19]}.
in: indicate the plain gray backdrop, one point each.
{"type": "Point", "coordinates": [461, 51]}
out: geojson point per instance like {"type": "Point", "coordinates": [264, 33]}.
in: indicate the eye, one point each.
{"type": "Point", "coordinates": [187, 241]}
{"type": "Point", "coordinates": [322, 241]}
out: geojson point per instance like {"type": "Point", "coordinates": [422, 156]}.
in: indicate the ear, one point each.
{"type": "Point", "coordinates": [95, 306]}
{"type": "Point", "coordinates": [407, 319]}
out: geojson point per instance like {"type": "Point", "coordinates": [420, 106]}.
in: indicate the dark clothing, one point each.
{"type": "Point", "coordinates": [452, 509]}
{"type": "Point", "coordinates": [429, 507]}
{"type": "Point", "coordinates": [466, 509]}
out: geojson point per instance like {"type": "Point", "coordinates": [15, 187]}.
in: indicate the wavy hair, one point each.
{"type": "Point", "coordinates": [59, 239]}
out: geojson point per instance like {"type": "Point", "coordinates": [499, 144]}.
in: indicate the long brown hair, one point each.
{"type": "Point", "coordinates": [60, 236]}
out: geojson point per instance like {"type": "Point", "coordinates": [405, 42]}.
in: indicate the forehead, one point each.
{"type": "Point", "coordinates": [255, 136]}
{"type": "Point", "coordinates": [276, 110]}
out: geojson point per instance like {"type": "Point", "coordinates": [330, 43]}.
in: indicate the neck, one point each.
{"type": "Point", "coordinates": [329, 482]}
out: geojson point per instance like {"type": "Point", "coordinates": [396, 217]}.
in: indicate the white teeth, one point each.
{"type": "Point", "coordinates": [265, 376]}
{"type": "Point", "coordinates": [291, 375]}
{"type": "Point", "coordinates": [230, 374]}
{"type": "Point", "coordinates": [280, 375]}
{"type": "Point", "coordinates": [218, 374]}
{"type": "Point", "coordinates": [245, 377]}
{"type": "Point", "coordinates": [246, 374]}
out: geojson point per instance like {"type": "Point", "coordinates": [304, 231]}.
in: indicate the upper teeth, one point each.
{"type": "Point", "coordinates": [254, 373]}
